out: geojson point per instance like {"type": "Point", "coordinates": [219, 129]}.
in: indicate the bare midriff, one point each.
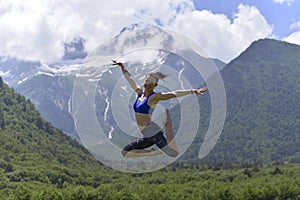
{"type": "Point", "coordinates": [142, 120]}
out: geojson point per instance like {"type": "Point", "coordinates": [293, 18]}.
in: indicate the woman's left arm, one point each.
{"type": "Point", "coordinates": [180, 93]}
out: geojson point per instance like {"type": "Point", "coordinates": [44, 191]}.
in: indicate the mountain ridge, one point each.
{"type": "Point", "coordinates": [262, 119]}
{"type": "Point", "coordinates": [278, 48]}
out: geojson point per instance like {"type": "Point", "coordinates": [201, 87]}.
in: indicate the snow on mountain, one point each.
{"type": "Point", "coordinates": [13, 70]}
{"type": "Point", "coordinates": [144, 48]}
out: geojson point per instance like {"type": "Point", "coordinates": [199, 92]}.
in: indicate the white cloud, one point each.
{"type": "Point", "coordinates": [36, 30]}
{"type": "Point", "coordinates": [288, 2]}
{"type": "Point", "coordinates": [221, 37]}
{"type": "Point", "coordinates": [293, 38]}
{"type": "Point", "coordinates": [295, 25]}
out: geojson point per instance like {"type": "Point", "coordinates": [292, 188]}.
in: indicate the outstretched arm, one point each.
{"type": "Point", "coordinates": [180, 93]}
{"type": "Point", "coordinates": [128, 77]}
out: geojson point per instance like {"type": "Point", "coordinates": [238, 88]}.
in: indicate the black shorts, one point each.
{"type": "Point", "coordinates": [145, 142]}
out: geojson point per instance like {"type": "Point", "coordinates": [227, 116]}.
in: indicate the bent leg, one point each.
{"type": "Point", "coordinates": [137, 148]}
{"type": "Point", "coordinates": [161, 142]}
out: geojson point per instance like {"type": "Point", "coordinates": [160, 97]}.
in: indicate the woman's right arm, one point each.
{"type": "Point", "coordinates": [128, 77]}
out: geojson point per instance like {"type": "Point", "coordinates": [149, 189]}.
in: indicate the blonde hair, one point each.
{"type": "Point", "coordinates": [158, 76]}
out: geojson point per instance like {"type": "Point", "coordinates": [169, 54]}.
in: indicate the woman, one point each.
{"type": "Point", "coordinates": [144, 105]}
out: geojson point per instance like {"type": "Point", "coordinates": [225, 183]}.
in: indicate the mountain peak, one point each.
{"type": "Point", "coordinates": [137, 25]}
{"type": "Point", "coordinates": [276, 44]}
{"type": "Point", "coordinates": [262, 113]}
{"type": "Point", "coordinates": [269, 50]}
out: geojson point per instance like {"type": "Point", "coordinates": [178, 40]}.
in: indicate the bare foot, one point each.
{"type": "Point", "coordinates": [152, 149]}
{"type": "Point", "coordinates": [143, 152]}
{"type": "Point", "coordinates": [155, 153]}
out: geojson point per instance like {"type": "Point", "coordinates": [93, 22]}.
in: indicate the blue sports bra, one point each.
{"type": "Point", "coordinates": [142, 106]}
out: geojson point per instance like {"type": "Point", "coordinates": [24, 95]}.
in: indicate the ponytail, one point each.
{"type": "Point", "coordinates": [158, 75]}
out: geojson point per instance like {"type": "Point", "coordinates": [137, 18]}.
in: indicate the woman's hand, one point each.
{"type": "Point", "coordinates": [118, 63]}
{"type": "Point", "coordinates": [200, 91]}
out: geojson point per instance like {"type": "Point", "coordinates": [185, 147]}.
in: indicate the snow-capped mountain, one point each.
{"type": "Point", "coordinates": [143, 48]}
{"type": "Point", "coordinates": [14, 71]}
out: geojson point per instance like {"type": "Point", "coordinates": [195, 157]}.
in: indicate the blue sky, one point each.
{"type": "Point", "coordinates": [37, 30]}
{"type": "Point", "coordinates": [281, 15]}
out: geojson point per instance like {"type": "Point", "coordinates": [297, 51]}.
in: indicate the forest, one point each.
{"type": "Point", "coordinates": [174, 182]}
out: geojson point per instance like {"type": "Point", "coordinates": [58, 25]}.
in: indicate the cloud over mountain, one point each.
{"type": "Point", "coordinates": [38, 30]}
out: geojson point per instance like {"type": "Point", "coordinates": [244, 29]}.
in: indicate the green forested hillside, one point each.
{"type": "Point", "coordinates": [263, 108]}
{"type": "Point", "coordinates": [31, 149]}
{"type": "Point", "coordinates": [51, 96]}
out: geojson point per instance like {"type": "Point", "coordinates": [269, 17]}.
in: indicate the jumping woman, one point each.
{"type": "Point", "coordinates": [144, 106]}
